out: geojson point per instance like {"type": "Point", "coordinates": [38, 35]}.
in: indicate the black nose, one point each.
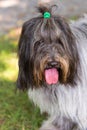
{"type": "Point", "coordinates": [52, 64]}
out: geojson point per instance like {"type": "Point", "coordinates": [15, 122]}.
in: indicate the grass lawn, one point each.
{"type": "Point", "coordinates": [16, 111]}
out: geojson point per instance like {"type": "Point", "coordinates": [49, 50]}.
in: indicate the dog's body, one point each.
{"type": "Point", "coordinates": [51, 45]}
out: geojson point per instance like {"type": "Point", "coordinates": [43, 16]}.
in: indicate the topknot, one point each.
{"type": "Point", "coordinates": [46, 8]}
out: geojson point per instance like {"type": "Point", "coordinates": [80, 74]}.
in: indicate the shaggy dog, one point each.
{"type": "Point", "coordinates": [53, 68]}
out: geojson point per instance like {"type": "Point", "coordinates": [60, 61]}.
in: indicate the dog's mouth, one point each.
{"type": "Point", "coordinates": [51, 75]}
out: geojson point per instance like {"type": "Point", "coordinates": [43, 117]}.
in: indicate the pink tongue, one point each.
{"type": "Point", "coordinates": [51, 76]}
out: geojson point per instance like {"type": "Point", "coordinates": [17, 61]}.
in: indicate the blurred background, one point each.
{"type": "Point", "coordinates": [14, 12]}
{"type": "Point", "coordinates": [16, 111]}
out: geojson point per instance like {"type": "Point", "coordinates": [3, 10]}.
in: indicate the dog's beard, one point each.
{"type": "Point", "coordinates": [51, 71]}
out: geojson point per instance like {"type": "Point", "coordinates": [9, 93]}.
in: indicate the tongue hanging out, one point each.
{"type": "Point", "coordinates": [51, 76]}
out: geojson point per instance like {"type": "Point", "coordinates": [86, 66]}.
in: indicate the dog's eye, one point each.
{"type": "Point", "coordinates": [59, 42]}
{"type": "Point", "coordinates": [37, 44]}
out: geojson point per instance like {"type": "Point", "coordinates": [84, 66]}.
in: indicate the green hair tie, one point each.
{"type": "Point", "coordinates": [47, 15]}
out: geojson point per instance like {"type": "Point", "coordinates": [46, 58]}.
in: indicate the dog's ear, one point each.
{"type": "Point", "coordinates": [24, 47]}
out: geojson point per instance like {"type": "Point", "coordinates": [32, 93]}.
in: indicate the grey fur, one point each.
{"type": "Point", "coordinates": [66, 105]}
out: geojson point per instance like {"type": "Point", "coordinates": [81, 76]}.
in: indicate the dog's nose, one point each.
{"type": "Point", "coordinates": [52, 64]}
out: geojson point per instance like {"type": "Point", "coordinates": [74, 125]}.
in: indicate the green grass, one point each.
{"type": "Point", "coordinates": [16, 111]}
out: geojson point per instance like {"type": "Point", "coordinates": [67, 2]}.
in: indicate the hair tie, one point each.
{"type": "Point", "coordinates": [47, 15]}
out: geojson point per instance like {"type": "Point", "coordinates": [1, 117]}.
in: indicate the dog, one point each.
{"type": "Point", "coordinates": [53, 68]}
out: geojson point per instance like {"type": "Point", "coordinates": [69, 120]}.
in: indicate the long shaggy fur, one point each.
{"type": "Point", "coordinates": [42, 43]}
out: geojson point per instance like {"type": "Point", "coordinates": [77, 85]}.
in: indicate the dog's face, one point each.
{"type": "Point", "coordinates": [47, 53]}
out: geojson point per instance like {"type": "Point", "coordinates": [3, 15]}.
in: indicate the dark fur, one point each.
{"type": "Point", "coordinates": [42, 42]}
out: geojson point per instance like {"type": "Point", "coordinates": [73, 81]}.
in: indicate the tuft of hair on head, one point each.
{"type": "Point", "coordinates": [44, 8]}
{"type": "Point", "coordinates": [48, 27]}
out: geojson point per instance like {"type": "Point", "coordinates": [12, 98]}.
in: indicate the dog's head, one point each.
{"type": "Point", "coordinates": [47, 52]}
